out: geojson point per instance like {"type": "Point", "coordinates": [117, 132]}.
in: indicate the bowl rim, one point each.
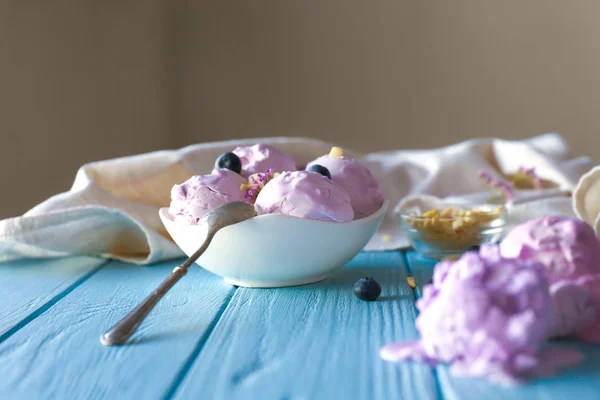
{"type": "Point", "coordinates": [405, 215]}
{"type": "Point", "coordinates": [164, 213]}
{"type": "Point", "coordinates": [500, 222]}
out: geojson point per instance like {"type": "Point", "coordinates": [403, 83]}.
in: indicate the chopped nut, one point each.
{"type": "Point", "coordinates": [336, 152]}
{"type": "Point", "coordinates": [431, 213]}
{"type": "Point", "coordinates": [454, 228]}
{"type": "Point", "coordinates": [411, 282]}
{"type": "Point", "coordinates": [457, 223]}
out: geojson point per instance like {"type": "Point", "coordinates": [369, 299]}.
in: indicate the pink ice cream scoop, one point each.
{"type": "Point", "coordinates": [486, 315]}
{"type": "Point", "coordinates": [261, 157]}
{"type": "Point", "coordinates": [306, 195]}
{"type": "Point", "coordinates": [202, 193]}
{"type": "Point", "coordinates": [567, 247]}
{"type": "Point", "coordinates": [570, 252]}
{"type": "Point", "coordinates": [358, 181]}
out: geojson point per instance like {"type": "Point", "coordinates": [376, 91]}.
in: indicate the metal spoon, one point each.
{"type": "Point", "coordinates": [220, 217]}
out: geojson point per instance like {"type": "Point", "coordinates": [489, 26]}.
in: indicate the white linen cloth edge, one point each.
{"type": "Point", "coordinates": [112, 207]}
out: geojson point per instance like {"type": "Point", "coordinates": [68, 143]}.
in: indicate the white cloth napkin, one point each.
{"type": "Point", "coordinates": [452, 173]}
{"type": "Point", "coordinates": [112, 207]}
{"type": "Point", "coordinates": [586, 199]}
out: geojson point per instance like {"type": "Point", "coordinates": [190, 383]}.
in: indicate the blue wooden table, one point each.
{"type": "Point", "coordinates": [209, 340]}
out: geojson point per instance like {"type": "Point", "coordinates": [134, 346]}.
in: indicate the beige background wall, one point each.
{"type": "Point", "coordinates": [87, 80]}
{"type": "Point", "coordinates": [79, 81]}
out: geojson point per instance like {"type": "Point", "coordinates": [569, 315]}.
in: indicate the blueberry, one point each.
{"type": "Point", "coordinates": [229, 161]}
{"type": "Point", "coordinates": [319, 169]}
{"type": "Point", "coordinates": [367, 289]}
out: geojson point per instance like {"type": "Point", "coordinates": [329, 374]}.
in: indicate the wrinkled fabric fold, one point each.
{"type": "Point", "coordinates": [112, 207]}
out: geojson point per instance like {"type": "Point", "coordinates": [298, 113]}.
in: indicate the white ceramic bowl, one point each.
{"type": "Point", "coordinates": [276, 250]}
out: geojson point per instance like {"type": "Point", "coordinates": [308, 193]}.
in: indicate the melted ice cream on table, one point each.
{"type": "Point", "coordinates": [202, 193]}
{"type": "Point", "coordinates": [567, 247]}
{"type": "Point", "coordinates": [262, 157]}
{"type": "Point", "coordinates": [306, 195]}
{"type": "Point", "coordinates": [356, 179]}
{"type": "Point", "coordinates": [487, 316]}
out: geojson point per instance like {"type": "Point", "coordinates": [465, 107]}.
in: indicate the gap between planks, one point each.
{"type": "Point", "coordinates": [185, 369]}
{"type": "Point", "coordinates": [201, 367]}
{"type": "Point", "coordinates": [417, 290]}
{"type": "Point", "coordinates": [47, 305]}
{"type": "Point", "coordinates": [189, 362]}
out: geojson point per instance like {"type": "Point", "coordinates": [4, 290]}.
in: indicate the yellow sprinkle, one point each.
{"type": "Point", "coordinates": [336, 152]}
{"type": "Point", "coordinates": [411, 282]}
{"type": "Point", "coordinates": [387, 238]}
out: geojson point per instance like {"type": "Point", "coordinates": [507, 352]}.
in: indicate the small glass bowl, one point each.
{"type": "Point", "coordinates": [450, 234]}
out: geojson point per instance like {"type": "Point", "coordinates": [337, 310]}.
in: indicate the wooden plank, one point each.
{"type": "Point", "coordinates": [29, 287]}
{"type": "Point", "coordinates": [314, 342]}
{"type": "Point", "coordinates": [580, 382]}
{"type": "Point", "coordinates": [58, 355]}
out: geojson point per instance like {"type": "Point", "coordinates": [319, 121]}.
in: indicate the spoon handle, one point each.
{"type": "Point", "coordinates": [123, 330]}
{"type": "Point", "coordinates": [126, 327]}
